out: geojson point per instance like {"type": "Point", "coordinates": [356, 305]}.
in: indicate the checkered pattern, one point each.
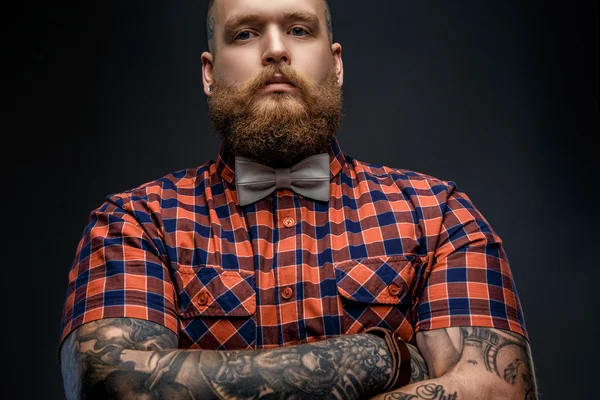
{"type": "Point", "coordinates": [391, 248]}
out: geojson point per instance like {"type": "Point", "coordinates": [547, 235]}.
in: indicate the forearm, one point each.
{"type": "Point", "coordinates": [485, 364]}
{"type": "Point", "coordinates": [348, 367]}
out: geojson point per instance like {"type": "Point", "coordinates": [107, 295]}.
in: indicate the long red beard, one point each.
{"type": "Point", "coordinates": [277, 129]}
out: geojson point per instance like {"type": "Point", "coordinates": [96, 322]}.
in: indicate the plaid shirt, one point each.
{"type": "Point", "coordinates": [391, 248]}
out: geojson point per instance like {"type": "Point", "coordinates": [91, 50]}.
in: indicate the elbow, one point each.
{"type": "Point", "coordinates": [88, 380]}
{"type": "Point", "coordinates": [94, 383]}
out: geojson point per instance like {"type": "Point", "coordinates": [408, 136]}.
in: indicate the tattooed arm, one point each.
{"type": "Point", "coordinates": [133, 358]}
{"type": "Point", "coordinates": [472, 363]}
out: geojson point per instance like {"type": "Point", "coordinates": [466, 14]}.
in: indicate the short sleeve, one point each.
{"type": "Point", "coordinates": [118, 271]}
{"type": "Point", "coordinates": [470, 282]}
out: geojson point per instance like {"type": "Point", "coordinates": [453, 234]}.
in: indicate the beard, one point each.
{"type": "Point", "coordinates": [277, 129]}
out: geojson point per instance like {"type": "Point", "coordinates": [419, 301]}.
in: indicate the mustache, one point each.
{"type": "Point", "coordinates": [286, 72]}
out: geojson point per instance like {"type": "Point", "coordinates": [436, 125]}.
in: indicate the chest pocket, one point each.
{"type": "Point", "coordinates": [216, 308]}
{"type": "Point", "coordinates": [378, 291]}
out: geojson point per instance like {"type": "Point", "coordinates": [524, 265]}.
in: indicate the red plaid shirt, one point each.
{"type": "Point", "coordinates": [391, 248]}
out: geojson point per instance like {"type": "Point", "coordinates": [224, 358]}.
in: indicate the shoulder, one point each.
{"type": "Point", "coordinates": [171, 186]}
{"type": "Point", "coordinates": [410, 182]}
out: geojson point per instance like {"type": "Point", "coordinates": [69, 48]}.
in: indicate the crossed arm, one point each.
{"type": "Point", "coordinates": [132, 358]}
{"type": "Point", "coordinates": [472, 363]}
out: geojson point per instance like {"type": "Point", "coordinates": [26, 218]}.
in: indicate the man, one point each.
{"type": "Point", "coordinates": [285, 269]}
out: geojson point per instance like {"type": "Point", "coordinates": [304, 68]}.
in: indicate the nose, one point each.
{"type": "Point", "coordinates": [276, 51]}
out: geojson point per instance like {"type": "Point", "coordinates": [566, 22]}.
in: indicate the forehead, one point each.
{"type": "Point", "coordinates": [225, 9]}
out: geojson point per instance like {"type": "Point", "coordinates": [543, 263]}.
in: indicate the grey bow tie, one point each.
{"type": "Point", "coordinates": [309, 177]}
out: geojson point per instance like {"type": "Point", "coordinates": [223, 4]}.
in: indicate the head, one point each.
{"type": "Point", "coordinates": [273, 77]}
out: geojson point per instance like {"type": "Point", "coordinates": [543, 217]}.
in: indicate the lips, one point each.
{"type": "Point", "coordinates": [279, 79]}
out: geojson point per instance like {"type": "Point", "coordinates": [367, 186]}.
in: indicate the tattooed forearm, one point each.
{"type": "Point", "coordinates": [124, 358]}
{"type": "Point", "coordinates": [500, 358]}
{"type": "Point", "coordinates": [347, 367]}
{"type": "Point", "coordinates": [473, 362]}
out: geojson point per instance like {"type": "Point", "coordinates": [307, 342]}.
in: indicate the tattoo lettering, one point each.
{"type": "Point", "coordinates": [433, 391]}
{"type": "Point", "coordinates": [430, 391]}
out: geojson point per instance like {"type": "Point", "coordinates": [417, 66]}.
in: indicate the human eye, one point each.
{"type": "Point", "coordinates": [298, 31]}
{"type": "Point", "coordinates": [244, 35]}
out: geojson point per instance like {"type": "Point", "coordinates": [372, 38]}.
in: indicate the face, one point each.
{"type": "Point", "coordinates": [251, 34]}
{"type": "Point", "coordinates": [274, 78]}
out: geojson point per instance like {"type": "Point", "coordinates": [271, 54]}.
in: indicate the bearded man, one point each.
{"type": "Point", "coordinates": [286, 269]}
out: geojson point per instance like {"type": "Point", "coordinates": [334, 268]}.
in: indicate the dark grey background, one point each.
{"type": "Point", "coordinates": [500, 97]}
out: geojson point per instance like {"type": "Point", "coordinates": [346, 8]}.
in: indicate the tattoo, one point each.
{"type": "Point", "coordinates": [503, 353]}
{"type": "Point", "coordinates": [345, 367]}
{"type": "Point", "coordinates": [429, 391]}
{"type": "Point", "coordinates": [91, 357]}
{"type": "Point", "coordinates": [511, 372]}
{"type": "Point", "coordinates": [489, 345]}
{"type": "Point", "coordinates": [400, 396]}
{"type": "Point", "coordinates": [328, 22]}
{"type": "Point", "coordinates": [132, 358]}
{"type": "Point", "coordinates": [418, 367]}
{"type": "Point", "coordinates": [210, 26]}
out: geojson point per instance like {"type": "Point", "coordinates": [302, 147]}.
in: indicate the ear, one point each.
{"type": "Point", "coordinates": [207, 71]}
{"type": "Point", "coordinates": [336, 50]}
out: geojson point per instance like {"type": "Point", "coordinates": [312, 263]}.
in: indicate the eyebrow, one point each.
{"type": "Point", "coordinates": [237, 20]}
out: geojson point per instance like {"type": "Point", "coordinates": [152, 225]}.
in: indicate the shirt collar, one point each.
{"type": "Point", "coordinates": [226, 161]}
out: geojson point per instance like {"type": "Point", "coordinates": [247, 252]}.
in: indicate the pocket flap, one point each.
{"type": "Point", "coordinates": [211, 291]}
{"type": "Point", "coordinates": [378, 280]}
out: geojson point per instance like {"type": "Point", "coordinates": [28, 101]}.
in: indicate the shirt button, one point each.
{"type": "Point", "coordinates": [287, 293]}
{"type": "Point", "coordinates": [288, 222]}
{"type": "Point", "coordinates": [203, 298]}
{"type": "Point", "coordinates": [393, 289]}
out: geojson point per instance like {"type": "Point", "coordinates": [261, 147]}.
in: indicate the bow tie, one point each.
{"type": "Point", "coordinates": [309, 177]}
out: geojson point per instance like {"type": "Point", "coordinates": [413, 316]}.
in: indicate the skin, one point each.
{"type": "Point", "coordinates": [472, 363]}
{"type": "Point", "coordinates": [240, 50]}
{"type": "Point", "coordinates": [133, 358]}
